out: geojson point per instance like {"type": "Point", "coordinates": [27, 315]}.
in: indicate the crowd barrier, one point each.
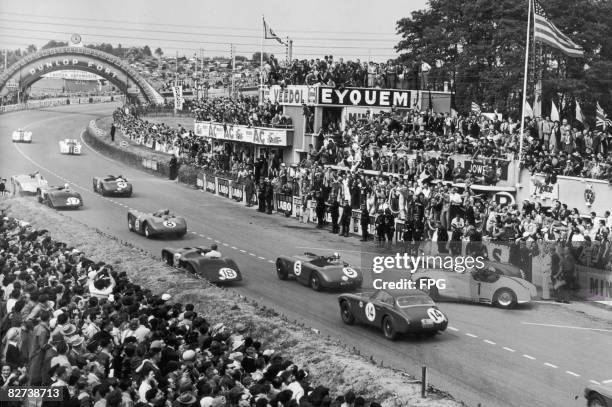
{"type": "Point", "coordinates": [37, 104]}
{"type": "Point", "coordinates": [94, 137]}
{"type": "Point", "coordinates": [595, 284]}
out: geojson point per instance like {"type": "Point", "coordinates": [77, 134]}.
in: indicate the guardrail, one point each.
{"type": "Point", "coordinates": [39, 104]}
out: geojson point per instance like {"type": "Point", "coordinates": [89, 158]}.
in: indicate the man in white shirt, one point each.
{"type": "Point", "coordinates": [213, 253]}
{"type": "Point", "coordinates": [425, 68]}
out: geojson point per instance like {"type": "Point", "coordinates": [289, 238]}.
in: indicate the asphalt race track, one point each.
{"type": "Point", "coordinates": [541, 355]}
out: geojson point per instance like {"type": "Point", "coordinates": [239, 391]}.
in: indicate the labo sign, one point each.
{"type": "Point", "coordinates": [365, 97]}
{"type": "Point", "coordinates": [71, 63]}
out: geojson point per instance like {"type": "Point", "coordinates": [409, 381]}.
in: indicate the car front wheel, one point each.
{"type": "Point", "coordinates": [347, 315]}
{"type": "Point", "coordinates": [389, 329]}
{"type": "Point", "coordinates": [505, 298]}
{"type": "Point", "coordinates": [280, 272]}
{"type": "Point", "coordinates": [147, 231]}
{"type": "Point", "coordinates": [315, 282]}
{"type": "Point", "coordinates": [130, 224]}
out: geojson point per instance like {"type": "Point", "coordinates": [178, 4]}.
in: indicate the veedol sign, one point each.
{"type": "Point", "coordinates": [293, 95]}
{"type": "Point", "coordinates": [72, 63]}
{"type": "Point", "coordinates": [365, 97]}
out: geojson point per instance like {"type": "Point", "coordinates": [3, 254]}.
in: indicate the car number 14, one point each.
{"type": "Point", "coordinates": [436, 315]}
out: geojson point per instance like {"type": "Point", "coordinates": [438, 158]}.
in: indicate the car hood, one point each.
{"type": "Point", "coordinates": [337, 272]}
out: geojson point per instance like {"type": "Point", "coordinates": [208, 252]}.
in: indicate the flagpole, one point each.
{"type": "Point", "coordinates": [261, 63]}
{"type": "Point", "coordinates": [525, 84]}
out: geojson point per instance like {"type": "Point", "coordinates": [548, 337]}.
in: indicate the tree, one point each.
{"type": "Point", "coordinates": [480, 45]}
{"type": "Point", "coordinates": [256, 58]}
{"type": "Point", "coordinates": [159, 52]}
{"type": "Point", "coordinates": [146, 51]}
{"type": "Point", "coordinates": [54, 44]}
{"type": "Point", "coordinates": [31, 49]}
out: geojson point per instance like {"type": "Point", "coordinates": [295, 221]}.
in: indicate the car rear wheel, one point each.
{"type": "Point", "coordinates": [345, 312]}
{"type": "Point", "coordinates": [95, 187]}
{"type": "Point", "coordinates": [504, 298]}
{"type": "Point", "coordinates": [130, 223]}
{"type": "Point", "coordinates": [389, 329]}
{"type": "Point", "coordinates": [280, 271]}
{"type": "Point", "coordinates": [595, 400]}
{"type": "Point", "coordinates": [315, 281]}
{"type": "Point", "coordinates": [147, 231]}
{"type": "Point", "coordinates": [168, 258]}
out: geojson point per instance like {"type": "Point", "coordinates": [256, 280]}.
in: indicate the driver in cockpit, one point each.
{"type": "Point", "coordinates": [162, 213]}
{"type": "Point", "coordinates": [335, 258]}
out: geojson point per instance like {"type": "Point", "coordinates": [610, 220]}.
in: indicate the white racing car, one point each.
{"type": "Point", "coordinates": [22, 136]}
{"type": "Point", "coordinates": [28, 183]}
{"type": "Point", "coordinates": [70, 146]}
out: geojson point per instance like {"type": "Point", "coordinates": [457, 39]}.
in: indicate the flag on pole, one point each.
{"type": "Point", "coordinates": [579, 115]}
{"type": "Point", "coordinates": [476, 108]}
{"type": "Point", "coordinates": [601, 118]}
{"type": "Point", "coordinates": [554, 113]}
{"type": "Point", "coordinates": [548, 33]}
{"type": "Point", "coordinates": [269, 34]}
{"type": "Point", "coordinates": [528, 110]}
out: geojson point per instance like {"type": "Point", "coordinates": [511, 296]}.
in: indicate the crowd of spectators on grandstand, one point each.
{"type": "Point", "coordinates": [78, 325]}
{"type": "Point", "coordinates": [244, 110]}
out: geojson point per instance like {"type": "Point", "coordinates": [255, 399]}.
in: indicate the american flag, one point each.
{"type": "Point", "coordinates": [548, 33]}
{"type": "Point", "coordinates": [601, 118]}
{"type": "Point", "coordinates": [475, 108]}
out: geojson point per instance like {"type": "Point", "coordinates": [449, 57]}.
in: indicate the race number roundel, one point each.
{"type": "Point", "coordinates": [72, 201]}
{"type": "Point", "coordinates": [370, 312]}
{"type": "Point", "coordinates": [227, 274]}
{"type": "Point", "coordinates": [297, 268]}
{"type": "Point", "coordinates": [349, 272]}
{"type": "Point", "coordinates": [169, 224]}
{"type": "Point", "coordinates": [137, 224]}
{"type": "Point", "coordinates": [436, 315]}
{"type": "Point", "coordinates": [121, 184]}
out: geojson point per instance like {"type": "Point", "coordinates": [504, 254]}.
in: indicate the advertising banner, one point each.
{"type": "Point", "coordinates": [224, 187]}
{"type": "Point", "coordinates": [292, 95]}
{"type": "Point", "coordinates": [284, 203]}
{"type": "Point", "coordinates": [237, 191]}
{"type": "Point", "coordinates": [253, 135]}
{"type": "Point", "coordinates": [210, 184]}
{"type": "Point", "coordinates": [365, 97]}
{"type": "Point", "coordinates": [478, 167]}
{"type": "Point", "coordinates": [542, 192]}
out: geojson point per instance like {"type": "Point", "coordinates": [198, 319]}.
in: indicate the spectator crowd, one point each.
{"type": "Point", "coordinates": [86, 329]}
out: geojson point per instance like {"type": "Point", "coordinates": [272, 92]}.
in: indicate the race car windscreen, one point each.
{"type": "Point", "coordinates": [404, 302]}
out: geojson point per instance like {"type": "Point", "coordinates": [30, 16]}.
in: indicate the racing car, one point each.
{"type": "Point", "coordinates": [319, 272]}
{"type": "Point", "coordinates": [160, 223]}
{"type": "Point", "coordinates": [22, 136]}
{"type": "Point", "coordinates": [598, 395]}
{"type": "Point", "coordinates": [481, 285]}
{"type": "Point", "coordinates": [394, 311]}
{"type": "Point", "coordinates": [60, 197]}
{"type": "Point", "coordinates": [200, 261]}
{"type": "Point", "coordinates": [70, 146]}
{"type": "Point", "coordinates": [28, 184]}
{"type": "Point", "coordinates": [111, 185]}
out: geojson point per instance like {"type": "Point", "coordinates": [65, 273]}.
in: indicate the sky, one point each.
{"type": "Point", "coordinates": [342, 28]}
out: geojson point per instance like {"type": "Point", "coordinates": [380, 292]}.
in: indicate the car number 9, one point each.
{"type": "Point", "coordinates": [436, 315]}
{"type": "Point", "coordinates": [169, 224]}
{"type": "Point", "coordinates": [349, 272]}
{"type": "Point", "coordinates": [72, 201]}
{"type": "Point", "coordinates": [121, 184]}
{"type": "Point", "coordinates": [227, 274]}
{"type": "Point", "coordinates": [297, 268]}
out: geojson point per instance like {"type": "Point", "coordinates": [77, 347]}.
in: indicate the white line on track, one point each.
{"type": "Point", "coordinates": [569, 372]}
{"type": "Point", "coordinates": [242, 251]}
{"type": "Point", "coordinates": [489, 342]}
{"type": "Point", "coordinates": [594, 381]}
{"type": "Point", "coordinates": [508, 349]}
{"type": "Point", "coordinates": [568, 327]}
{"type": "Point", "coordinates": [234, 247]}
{"type": "Point", "coordinates": [225, 244]}
{"type": "Point", "coordinates": [261, 258]}
{"type": "Point", "coordinates": [452, 328]}
{"type": "Point", "coordinates": [271, 261]}
{"type": "Point", "coordinates": [471, 335]}
{"type": "Point", "coordinates": [607, 381]}
{"type": "Point", "coordinates": [551, 365]}
{"type": "Point", "coordinates": [209, 238]}
{"type": "Point", "coordinates": [252, 254]}
{"type": "Point", "coordinates": [528, 357]}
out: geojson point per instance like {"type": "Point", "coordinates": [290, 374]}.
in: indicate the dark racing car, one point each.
{"type": "Point", "coordinates": [160, 223]}
{"type": "Point", "coordinates": [319, 272]}
{"type": "Point", "coordinates": [394, 311]}
{"type": "Point", "coordinates": [111, 185]}
{"type": "Point", "coordinates": [62, 197]}
{"type": "Point", "coordinates": [207, 263]}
